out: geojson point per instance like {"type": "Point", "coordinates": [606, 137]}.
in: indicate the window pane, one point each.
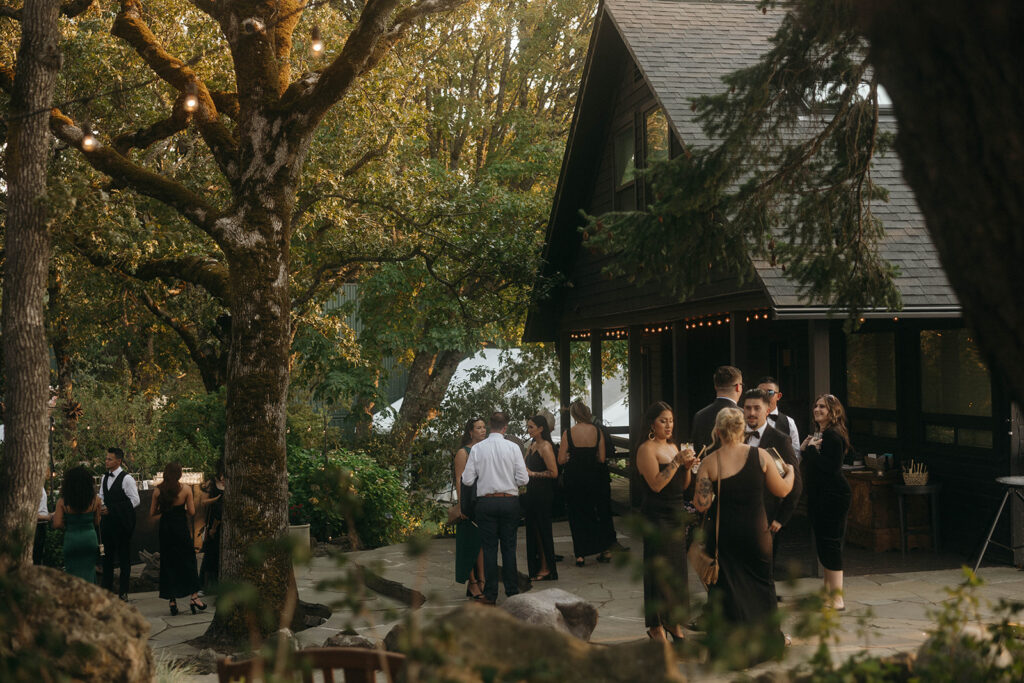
{"type": "Point", "coordinates": [939, 434]}
{"type": "Point", "coordinates": [625, 157]}
{"type": "Point", "coordinates": [954, 381]}
{"type": "Point", "coordinates": [977, 438]}
{"type": "Point", "coordinates": [871, 370]}
{"type": "Point", "coordinates": [656, 129]}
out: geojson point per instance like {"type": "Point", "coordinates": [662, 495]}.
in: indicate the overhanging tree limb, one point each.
{"type": "Point", "coordinates": [106, 160]}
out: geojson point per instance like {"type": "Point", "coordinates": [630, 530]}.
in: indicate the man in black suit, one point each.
{"type": "Point", "coordinates": [756, 405]}
{"type": "Point", "coordinates": [728, 387]}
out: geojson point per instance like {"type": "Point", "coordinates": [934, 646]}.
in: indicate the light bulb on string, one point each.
{"type": "Point", "coordinates": [191, 98]}
{"type": "Point", "coordinates": [89, 141]}
{"type": "Point", "coordinates": [317, 46]}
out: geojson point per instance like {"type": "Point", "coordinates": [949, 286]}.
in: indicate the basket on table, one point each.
{"type": "Point", "coordinates": [915, 474]}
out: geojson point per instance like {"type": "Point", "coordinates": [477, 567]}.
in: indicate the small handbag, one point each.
{"type": "Point", "coordinates": [705, 566]}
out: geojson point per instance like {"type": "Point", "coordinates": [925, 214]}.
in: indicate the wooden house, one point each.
{"type": "Point", "coordinates": [912, 380]}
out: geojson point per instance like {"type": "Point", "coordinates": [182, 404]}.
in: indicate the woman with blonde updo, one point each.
{"type": "Point", "coordinates": [738, 475]}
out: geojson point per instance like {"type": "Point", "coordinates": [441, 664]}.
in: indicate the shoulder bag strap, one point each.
{"type": "Point", "coordinates": [718, 512]}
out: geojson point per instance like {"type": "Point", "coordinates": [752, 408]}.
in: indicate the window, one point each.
{"type": "Point", "coordinates": [656, 137]}
{"type": "Point", "coordinates": [625, 169]}
{"type": "Point", "coordinates": [871, 370]}
{"type": "Point", "coordinates": [954, 380]}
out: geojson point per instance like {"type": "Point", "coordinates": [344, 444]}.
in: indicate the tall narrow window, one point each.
{"type": "Point", "coordinates": [954, 380]}
{"type": "Point", "coordinates": [656, 136]}
{"type": "Point", "coordinates": [625, 170]}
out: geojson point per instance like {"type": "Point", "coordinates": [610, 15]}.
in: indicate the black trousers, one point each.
{"type": "Point", "coordinates": [498, 519]}
{"type": "Point", "coordinates": [117, 545]}
{"type": "Point", "coordinates": [39, 544]}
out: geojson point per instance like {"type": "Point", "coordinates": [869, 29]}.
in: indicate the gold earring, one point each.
{"type": "Point", "coordinates": [650, 435]}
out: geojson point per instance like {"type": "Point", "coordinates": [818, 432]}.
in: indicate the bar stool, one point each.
{"type": "Point", "coordinates": [1013, 485]}
{"type": "Point", "coordinates": [931, 490]}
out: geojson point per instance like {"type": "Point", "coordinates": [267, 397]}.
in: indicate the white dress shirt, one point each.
{"type": "Point", "coordinates": [44, 510]}
{"type": "Point", "coordinates": [495, 465]}
{"type": "Point", "coordinates": [794, 436]}
{"type": "Point", "coordinates": [128, 486]}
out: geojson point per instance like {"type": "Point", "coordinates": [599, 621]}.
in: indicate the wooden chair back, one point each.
{"type": "Point", "coordinates": [359, 665]}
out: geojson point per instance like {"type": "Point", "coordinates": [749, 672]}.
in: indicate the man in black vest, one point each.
{"type": "Point", "coordinates": [728, 387]}
{"type": "Point", "coordinates": [120, 496]}
{"type": "Point", "coordinates": [776, 418]}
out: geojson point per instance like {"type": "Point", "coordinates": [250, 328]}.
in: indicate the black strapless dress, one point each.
{"type": "Point", "coordinates": [665, 580]}
{"type": "Point", "coordinates": [178, 576]}
{"type": "Point", "coordinates": [540, 492]}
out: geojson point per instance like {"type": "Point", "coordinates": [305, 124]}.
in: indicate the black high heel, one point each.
{"type": "Point", "coordinates": [174, 607]}
{"type": "Point", "coordinates": [604, 557]}
{"type": "Point", "coordinates": [196, 604]}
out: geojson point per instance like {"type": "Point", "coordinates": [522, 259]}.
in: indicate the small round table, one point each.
{"type": "Point", "coordinates": [926, 490]}
{"type": "Point", "coordinates": [1014, 485]}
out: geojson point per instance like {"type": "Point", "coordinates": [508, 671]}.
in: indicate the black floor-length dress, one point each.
{"type": "Point", "coordinates": [665, 579]}
{"type": "Point", "coordinates": [745, 584]}
{"type": "Point", "coordinates": [540, 493]}
{"type": "Point", "coordinates": [588, 499]}
{"type": "Point", "coordinates": [178, 576]}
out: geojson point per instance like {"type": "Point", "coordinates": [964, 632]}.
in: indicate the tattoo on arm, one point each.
{"type": "Point", "coordinates": [704, 488]}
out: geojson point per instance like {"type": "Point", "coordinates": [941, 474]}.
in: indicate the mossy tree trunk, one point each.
{"type": "Point", "coordinates": [27, 255]}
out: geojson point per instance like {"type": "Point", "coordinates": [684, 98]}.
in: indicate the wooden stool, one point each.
{"type": "Point", "coordinates": [926, 490]}
{"type": "Point", "coordinates": [1013, 485]}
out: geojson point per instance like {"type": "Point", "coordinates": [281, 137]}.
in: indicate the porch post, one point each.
{"type": "Point", "coordinates": [564, 380]}
{"type": "Point", "coordinates": [596, 399]}
{"type": "Point", "coordinates": [818, 345]}
{"type": "Point", "coordinates": [680, 400]}
{"type": "Point", "coordinates": [739, 331]}
{"type": "Point", "coordinates": [636, 409]}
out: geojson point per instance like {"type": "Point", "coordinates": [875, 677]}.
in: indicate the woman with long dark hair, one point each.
{"type": "Point", "coordinates": [209, 570]}
{"type": "Point", "coordinates": [78, 513]}
{"type": "Point", "coordinates": [170, 504]}
{"type": "Point", "coordinates": [469, 554]}
{"type": "Point", "coordinates": [828, 493]}
{"type": "Point", "coordinates": [665, 472]}
{"type": "Point", "coordinates": [587, 486]}
{"type": "Point", "coordinates": [540, 492]}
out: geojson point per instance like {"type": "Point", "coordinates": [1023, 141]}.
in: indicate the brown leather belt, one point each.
{"type": "Point", "coordinates": [499, 495]}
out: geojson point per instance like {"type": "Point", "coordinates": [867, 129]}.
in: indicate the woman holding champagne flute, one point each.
{"type": "Point", "coordinates": [828, 493]}
{"type": "Point", "coordinates": [665, 470]}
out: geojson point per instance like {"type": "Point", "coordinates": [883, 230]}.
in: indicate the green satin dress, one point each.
{"type": "Point", "coordinates": [80, 545]}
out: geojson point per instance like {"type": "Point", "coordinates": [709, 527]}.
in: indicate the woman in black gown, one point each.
{"type": "Point", "coordinates": [828, 493]}
{"type": "Point", "coordinates": [540, 491]}
{"type": "Point", "coordinates": [665, 472]}
{"type": "Point", "coordinates": [745, 589]}
{"type": "Point", "coordinates": [209, 570]}
{"type": "Point", "coordinates": [587, 486]}
{"type": "Point", "coordinates": [178, 576]}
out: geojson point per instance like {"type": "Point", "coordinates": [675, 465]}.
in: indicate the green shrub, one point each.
{"type": "Point", "coordinates": [328, 493]}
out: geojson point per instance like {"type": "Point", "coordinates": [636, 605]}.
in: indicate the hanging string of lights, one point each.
{"type": "Point", "coordinates": [89, 140]}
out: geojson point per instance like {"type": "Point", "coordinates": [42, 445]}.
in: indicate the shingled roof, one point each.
{"type": "Point", "coordinates": [684, 48]}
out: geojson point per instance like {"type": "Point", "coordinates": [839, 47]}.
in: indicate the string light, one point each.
{"type": "Point", "coordinates": [191, 98]}
{"type": "Point", "coordinates": [89, 141]}
{"type": "Point", "coordinates": [317, 46]}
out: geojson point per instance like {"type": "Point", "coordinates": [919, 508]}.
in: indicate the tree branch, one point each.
{"type": "Point", "coordinates": [106, 160]}
{"type": "Point", "coordinates": [369, 156]}
{"type": "Point", "coordinates": [130, 27]}
{"type": "Point", "coordinates": [203, 271]}
{"type": "Point", "coordinates": [68, 9]}
{"type": "Point", "coordinates": [161, 130]}
{"type": "Point", "coordinates": [318, 277]}
{"type": "Point", "coordinates": [6, 80]}
{"type": "Point", "coordinates": [212, 368]}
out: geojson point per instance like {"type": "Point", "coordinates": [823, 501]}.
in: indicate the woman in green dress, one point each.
{"type": "Point", "coordinates": [469, 557]}
{"type": "Point", "coordinates": [78, 513]}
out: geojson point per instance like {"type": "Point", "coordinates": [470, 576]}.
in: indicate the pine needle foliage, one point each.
{"type": "Point", "coordinates": [784, 177]}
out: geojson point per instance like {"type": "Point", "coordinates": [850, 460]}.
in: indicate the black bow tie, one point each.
{"type": "Point", "coordinates": [747, 436]}
{"type": "Point", "coordinates": [108, 474]}
{"type": "Point", "coordinates": [773, 417]}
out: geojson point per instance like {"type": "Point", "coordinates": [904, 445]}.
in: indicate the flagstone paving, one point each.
{"type": "Point", "coordinates": [886, 613]}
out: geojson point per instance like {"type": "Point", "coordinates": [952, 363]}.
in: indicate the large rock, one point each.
{"type": "Point", "coordinates": [95, 636]}
{"type": "Point", "coordinates": [476, 643]}
{"type": "Point", "coordinates": [554, 608]}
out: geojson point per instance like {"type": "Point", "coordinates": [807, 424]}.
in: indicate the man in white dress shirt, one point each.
{"type": "Point", "coordinates": [783, 423]}
{"type": "Point", "coordinates": [497, 468]}
{"type": "Point", "coordinates": [120, 496]}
